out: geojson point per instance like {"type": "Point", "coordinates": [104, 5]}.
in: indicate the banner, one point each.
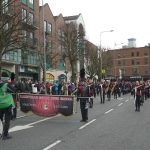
{"type": "Point", "coordinates": [46, 105]}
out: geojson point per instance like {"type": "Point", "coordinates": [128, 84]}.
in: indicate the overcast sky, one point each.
{"type": "Point", "coordinates": [128, 19]}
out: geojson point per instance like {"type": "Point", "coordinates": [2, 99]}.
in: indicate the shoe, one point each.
{"type": "Point", "coordinates": [136, 110]}
{"type": "Point", "coordinates": [82, 120]}
{"type": "Point", "coordinates": [86, 120]}
{"type": "Point", "coordinates": [6, 137]}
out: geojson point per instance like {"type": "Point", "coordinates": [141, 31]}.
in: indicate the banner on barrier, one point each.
{"type": "Point", "coordinates": [46, 105]}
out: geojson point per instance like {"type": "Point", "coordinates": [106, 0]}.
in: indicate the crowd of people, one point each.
{"type": "Point", "coordinates": [85, 91]}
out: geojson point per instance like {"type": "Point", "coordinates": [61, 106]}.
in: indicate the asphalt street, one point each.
{"type": "Point", "coordinates": [111, 126]}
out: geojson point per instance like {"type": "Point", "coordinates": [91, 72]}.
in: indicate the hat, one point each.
{"type": "Point", "coordinates": [82, 75]}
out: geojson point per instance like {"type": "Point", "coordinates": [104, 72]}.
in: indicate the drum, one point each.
{"type": "Point", "coordinates": [1, 129]}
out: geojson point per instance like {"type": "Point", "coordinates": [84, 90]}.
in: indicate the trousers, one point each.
{"type": "Point", "coordinates": [84, 110]}
{"type": "Point", "coordinates": [6, 112]}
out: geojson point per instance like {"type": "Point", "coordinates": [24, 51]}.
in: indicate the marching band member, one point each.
{"type": "Point", "coordinates": [102, 88]}
{"type": "Point", "coordinates": [137, 90]}
{"type": "Point", "coordinates": [108, 89]}
{"type": "Point", "coordinates": [92, 92]}
{"type": "Point", "coordinates": [115, 90]}
{"type": "Point", "coordinates": [83, 93]}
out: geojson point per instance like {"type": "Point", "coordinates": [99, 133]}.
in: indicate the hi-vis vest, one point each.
{"type": "Point", "coordinates": [6, 98]}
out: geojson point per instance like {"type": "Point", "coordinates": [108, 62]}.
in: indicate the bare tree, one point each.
{"type": "Point", "coordinates": [91, 59]}
{"type": "Point", "coordinates": [11, 26]}
{"type": "Point", "coordinates": [107, 62]}
{"type": "Point", "coordinates": [72, 41]}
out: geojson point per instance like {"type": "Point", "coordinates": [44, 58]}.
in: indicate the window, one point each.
{"type": "Point", "coordinates": [145, 61]}
{"type": "Point", "coordinates": [31, 36]}
{"type": "Point", "coordinates": [132, 62]}
{"type": "Point", "coordinates": [48, 62]}
{"type": "Point", "coordinates": [59, 34]}
{"type": "Point", "coordinates": [135, 71]}
{"type": "Point", "coordinates": [31, 18]}
{"type": "Point", "coordinates": [24, 15]}
{"type": "Point", "coordinates": [124, 55]}
{"type": "Point", "coordinates": [123, 70]}
{"type": "Point", "coordinates": [62, 65]}
{"type": "Point", "coordinates": [45, 25]}
{"type": "Point", "coordinates": [50, 46]}
{"type": "Point", "coordinates": [137, 53]}
{"type": "Point", "coordinates": [137, 62]}
{"type": "Point", "coordinates": [13, 56]}
{"type": "Point", "coordinates": [119, 63]}
{"type": "Point", "coordinates": [59, 49]}
{"type": "Point", "coordinates": [132, 54]}
{"type": "Point", "coordinates": [124, 62]}
{"type": "Point", "coordinates": [49, 26]}
{"type": "Point", "coordinates": [5, 6]}
{"type": "Point", "coordinates": [24, 2]}
{"type": "Point", "coordinates": [63, 36]}
{"type": "Point", "coordinates": [24, 34]}
{"type": "Point", "coordinates": [146, 71]}
{"type": "Point", "coordinates": [118, 55]}
{"type": "Point", "coordinates": [31, 3]}
{"type": "Point", "coordinates": [145, 53]}
{"type": "Point", "coordinates": [6, 26]}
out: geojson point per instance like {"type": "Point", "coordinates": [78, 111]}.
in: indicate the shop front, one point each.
{"type": "Point", "coordinates": [27, 72]}
{"type": "Point", "coordinates": [62, 78]}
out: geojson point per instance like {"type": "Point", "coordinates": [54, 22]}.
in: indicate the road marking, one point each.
{"type": "Point", "coordinates": [119, 98]}
{"type": "Point", "coordinates": [120, 104]}
{"type": "Point", "coordinates": [52, 145]}
{"type": "Point", "coordinates": [21, 116]}
{"type": "Point", "coordinates": [108, 111]}
{"type": "Point", "coordinates": [87, 124]}
{"type": "Point", "coordinates": [131, 97]}
{"type": "Point", "coordinates": [41, 120]}
{"type": "Point", "coordinates": [127, 100]}
{"type": "Point", "coordinates": [18, 128]}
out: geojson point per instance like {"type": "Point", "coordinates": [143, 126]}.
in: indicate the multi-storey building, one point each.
{"type": "Point", "coordinates": [27, 63]}
{"type": "Point", "coordinates": [134, 63]}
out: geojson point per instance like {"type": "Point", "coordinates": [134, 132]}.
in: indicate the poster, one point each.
{"type": "Point", "coordinates": [46, 105]}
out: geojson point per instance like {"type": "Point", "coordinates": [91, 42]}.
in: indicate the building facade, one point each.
{"type": "Point", "coordinates": [28, 63]}
{"type": "Point", "coordinates": [130, 63]}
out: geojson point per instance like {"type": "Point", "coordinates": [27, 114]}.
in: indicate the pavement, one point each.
{"type": "Point", "coordinates": [112, 126]}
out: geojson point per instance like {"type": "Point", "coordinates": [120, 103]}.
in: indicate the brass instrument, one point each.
{"type": "Point", "coordinates": [76, 88]}
{"type": "Point", "coordinates": [74, 91]}
{"type": "Point", "coordinates": [106, 90]}
{"type": "Point", "coordinates": [113, 88]}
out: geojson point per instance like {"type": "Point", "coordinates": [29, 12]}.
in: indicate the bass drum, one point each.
{"type": "Point", "coordinates": [1, 129]}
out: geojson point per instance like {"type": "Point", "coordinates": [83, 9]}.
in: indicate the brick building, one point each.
{"type": "Point", "coordinates": [27, 63]}
{"type": "Point", "coordinates": [134, 63]}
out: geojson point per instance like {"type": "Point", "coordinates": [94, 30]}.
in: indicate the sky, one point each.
{"type": "Point", "coordinates": [128, 19]}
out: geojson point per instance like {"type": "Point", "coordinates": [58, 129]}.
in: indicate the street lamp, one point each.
{"type": "Point", "coordinates": [115, 58]}
{"type": "Point", "coordinates": [101, 51]}
{"type": "Point", "coordinates": [66, 72]}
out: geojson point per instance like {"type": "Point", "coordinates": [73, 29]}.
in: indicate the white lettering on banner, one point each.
{"type": "Point", "coordinates": [25, 104]}
{"type": "Point", "coordinates": [60, 106]}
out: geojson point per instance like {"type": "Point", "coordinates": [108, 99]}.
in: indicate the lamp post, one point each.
{"type": "Point", "coordinates": [66, 72]}
{"type": "Point", "coordinates": [100, 53]}
{"type": "Point", "coordinates": [44, 73]}
{"type": "Point", "coordinates": [115, 58]}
